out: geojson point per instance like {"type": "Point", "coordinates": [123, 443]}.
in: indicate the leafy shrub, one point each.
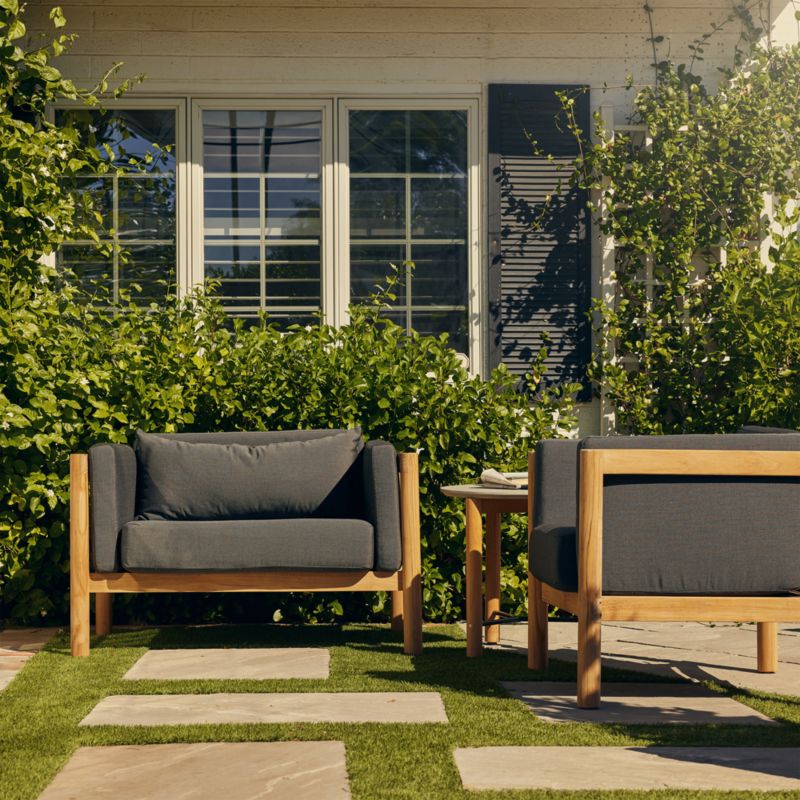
{"type": "Point", "coordinates": [73, 374]}
{"type": "Point", "coordinates": [75, 371]}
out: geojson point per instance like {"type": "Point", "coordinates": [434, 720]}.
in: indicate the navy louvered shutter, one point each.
{"type": "Point", "coordinates": [539, 274]}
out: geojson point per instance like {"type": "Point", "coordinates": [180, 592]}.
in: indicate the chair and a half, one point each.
{"type": "Point", "coordinates": [269, 511]}
{"type": "Point", "coordinates": [699, 528]}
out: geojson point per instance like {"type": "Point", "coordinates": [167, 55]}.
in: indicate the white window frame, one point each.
{"type": "Point", "coordinates": [183, 214]}
{"type": "Point", "coordinates": [327, 245]}
{"type": "Point", "coordinates": [475, 306]}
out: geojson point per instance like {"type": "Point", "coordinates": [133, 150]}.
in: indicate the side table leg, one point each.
{"type": "Point", "coordinates": [492, 574]}
{"type": "Point", "coordinates": [474, 580]}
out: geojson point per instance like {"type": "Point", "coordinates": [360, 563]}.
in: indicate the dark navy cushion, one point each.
{"type": "Point", "coordinates": [180, 479]}
{"type": "Point", "coordinates": [247, 545]}
{"type": "Point", "coordinates": [552, 552]}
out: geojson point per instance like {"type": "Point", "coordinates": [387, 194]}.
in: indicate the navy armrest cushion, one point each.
{"type": "Point", "coordinates": [112, 485]}
{"type": "Point", "coordinates": [382, 502]}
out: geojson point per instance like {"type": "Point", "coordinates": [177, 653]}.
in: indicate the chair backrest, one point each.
{"type": "Point", "coordinates": [252, 438]}
{"type": "Point", "coordinates": [700, 534]}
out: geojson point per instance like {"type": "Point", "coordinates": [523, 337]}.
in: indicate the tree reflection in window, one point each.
{"type": "Point", "coordinates": [408, 205]}
{"type": "Point", "coordinates": [136, 202]}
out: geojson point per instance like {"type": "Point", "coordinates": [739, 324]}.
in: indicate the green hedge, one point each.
{"type": "Point", "coordinates": [73, 374]}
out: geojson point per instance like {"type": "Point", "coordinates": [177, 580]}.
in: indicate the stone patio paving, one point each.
{"type": "Point", "coordinates": [229, 770]}
{"type": "Point", "coordinates": [722, 652]}
{"type": "Point", "coordinates": [17, 645]}
{"type": "Point", "coordinates": [312, 769]}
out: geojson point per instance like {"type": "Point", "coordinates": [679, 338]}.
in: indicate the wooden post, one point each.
{"type": "Point", "coordinates": [492, 575]}
{"type": "Point", "coordinates": [410, 575]}
{"type": "Point", "coordinates": [397, 610]}
{"type": "Point", "coordinates": [767, 646]}
{"type": "Point", "coordinates": [102, 613]}
{"type": "Point", "coordinates": [474, 580]}
{"type": "Point", "coordinates": [590, 577]}
{"type": "Point", "coordinates": [79, 554]}
{"type": "Point", "coordinates": [537, 607]}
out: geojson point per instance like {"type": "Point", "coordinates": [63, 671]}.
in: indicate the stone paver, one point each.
{"type": "Point", "coordinates": [230, 770]}
{"type": "Point", "coordinates": [258, 663]}
{"type": "Point", "coordinates": [17, 645]}
{"type": "Point", "coordinates": [636, 768]}
{"type": "Point", "coordinates": [695, 651]}
{"type": "Point", "coordinates": [390, 707]}
{"type": "Point", "coordinates": [636, 704]}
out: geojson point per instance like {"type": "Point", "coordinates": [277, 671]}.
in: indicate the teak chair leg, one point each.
{"type": "Point", "coordinates": [410, 574]}
{"type": "Point", "coordinates": [589, 662]}
{"type": "Point", "coordinates": [537, 607]}
{"type": "Point", "coordinates": [79, 554]}
{"type": "Point", "coordinates": [102, 614]}
{"type": "Point", "coordinates": [767, 646]}
{"type": "Point", "coordinates": [397, 610]}
{"type": "Point", "coordinates": [537, 626]}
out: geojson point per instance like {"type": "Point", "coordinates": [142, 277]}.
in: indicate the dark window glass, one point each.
{"type": "Point", "coordinates": [408, 208]}
{"type": "Point", "coordinates": [262, 193]}
{"type": "Point", "coordinates": [137, 209]}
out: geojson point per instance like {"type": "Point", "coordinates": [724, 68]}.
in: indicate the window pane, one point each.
{"type": "Point", "coordinates": [377, 208]}
{"type": "Point", "coordinates": [293, 276]}
{"type": "Point", "coordinates": [231, 207]}
{"type": "Point", "coordinates": [140, 134]}
{"type": "Point", "coordinates": [438, 142]}
{"type": "Point", "coordinates": [453, 323]}
{"type": "Point", "coordinates": [146, 207]}
{"type": "Point", "coordinates": [370, 264]}
{"type": "Point", "coordinates": [378, 141]}
{"type": "Point", "coordinates": [262, 209]}
{"type": "Point", "coordinates": [418, 159]}
{"type": "Point", "coordinates": [440, 275]}
{"type": "Point", "coordinates": [149, 266]}
{"type": "Point", "coordinates": [92, 266]}
{"type": "Point", "coordinates": [262, 141]}
{"type": "Point", "coordinates": [438, 208]}
{"type": "Point", "coordinates": [137, 207]}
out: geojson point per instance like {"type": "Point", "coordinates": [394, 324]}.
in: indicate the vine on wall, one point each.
{"type": "Point", "coordinates": [713, 340]}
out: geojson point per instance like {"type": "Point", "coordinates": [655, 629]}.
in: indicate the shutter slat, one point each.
{"type": "Point", "coordinates": [538, 279]}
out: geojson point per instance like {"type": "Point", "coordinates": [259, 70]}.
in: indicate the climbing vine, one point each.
{"type": "Point", "coordinates": [703, 331]}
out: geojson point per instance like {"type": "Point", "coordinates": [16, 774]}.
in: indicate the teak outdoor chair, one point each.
{"type": "Point", "coordinates": [663, 529]}
{"type": "Point", "coordinates": [279, 511]}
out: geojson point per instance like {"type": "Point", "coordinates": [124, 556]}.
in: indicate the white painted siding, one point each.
{"type": "Point", "coordinates": [186, 46]}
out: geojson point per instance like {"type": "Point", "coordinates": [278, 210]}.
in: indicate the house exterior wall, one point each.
{"type": "Point", "coordinates": [192, 49]}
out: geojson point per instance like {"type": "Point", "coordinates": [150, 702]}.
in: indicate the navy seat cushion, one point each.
{"type": "Point", "coordinates": [180, 479]}
{"type": "Point", "coordinates": [332, 544]}
{"type": "Point", "coordinates": [553, 556]}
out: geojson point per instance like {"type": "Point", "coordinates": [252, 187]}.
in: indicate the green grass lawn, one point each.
{"type": "Point", "coordinates": [41, 709]}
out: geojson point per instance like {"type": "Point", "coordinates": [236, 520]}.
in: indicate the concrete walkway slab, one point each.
{"type": "Point", "coordinates": [185, 709]}
{"type": "Point", "coordinates": [230, 770]}
{"type": "Point", "coordinates": [634, 768]}
{"type": "Point", "coordinates": [636, 704]}
{"type": "Point", "coordinates": [258, 663]}
{"type": "Point", "coordinates": [695, 651]}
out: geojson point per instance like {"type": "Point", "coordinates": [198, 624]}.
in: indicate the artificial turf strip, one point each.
{"type": "Point", "coordinates": [41, 709]}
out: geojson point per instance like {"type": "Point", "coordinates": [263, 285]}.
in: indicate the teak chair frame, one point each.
{"type": "Point", "coordinates": [405, 584]}
{"type": "Point", "coordinates": [592, 608]}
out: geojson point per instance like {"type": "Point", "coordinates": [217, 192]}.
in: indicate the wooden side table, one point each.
{"type": "Point", "coordinates": [491, 502]}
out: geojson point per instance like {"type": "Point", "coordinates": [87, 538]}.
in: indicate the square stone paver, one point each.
{"type": "Point", "coordinates": [635, 704]}
{"type": "Point", "coordinates": [636, 768]}
{"type": "Point", "coordinates": [257, 663]}
{"type": "Point", "coordinates": [230, 770]}
{"type": "Point", "coordinates": [187, 709]}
